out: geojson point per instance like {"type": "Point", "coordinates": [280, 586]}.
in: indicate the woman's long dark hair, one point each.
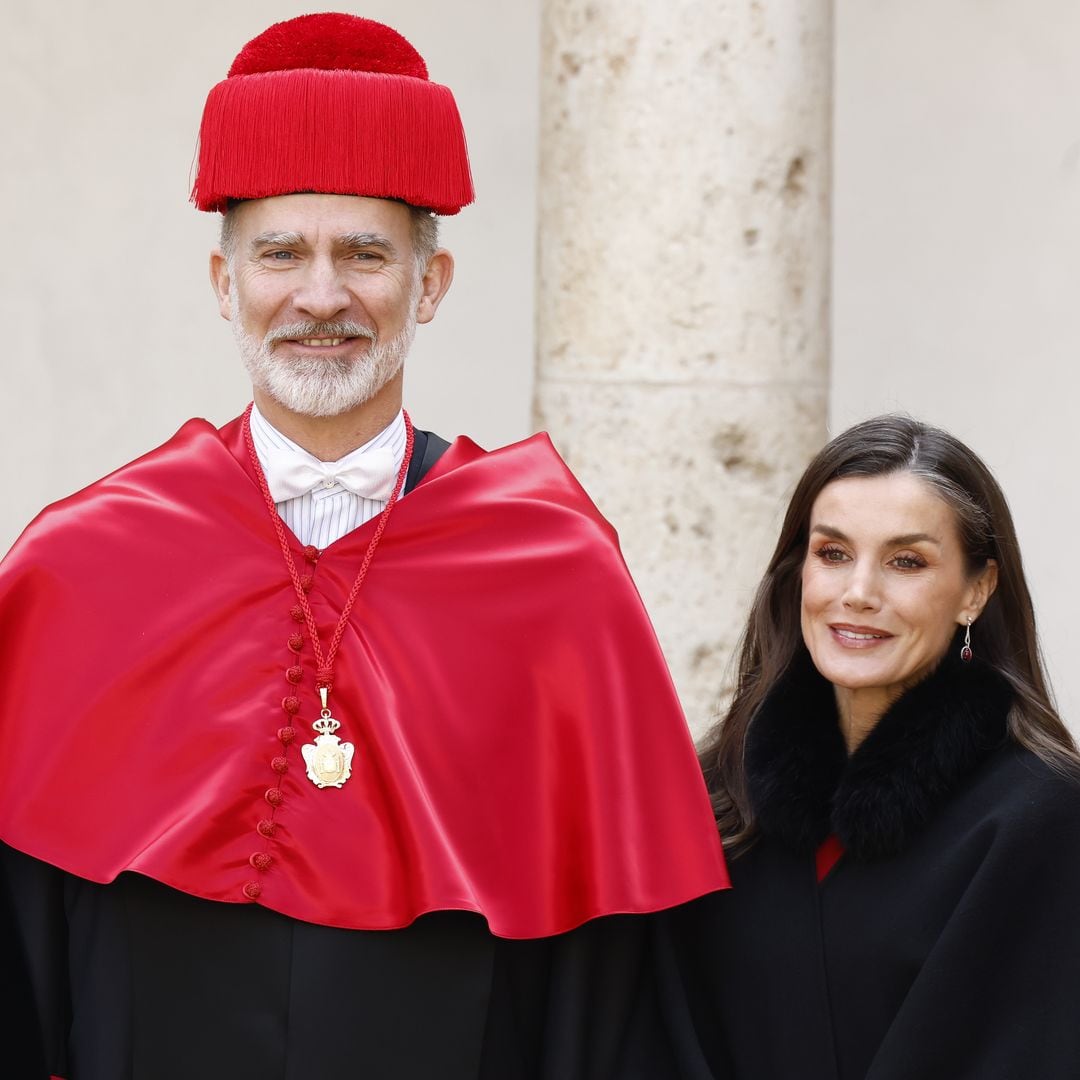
{"type": "Point", "coordinates": [1005, 638]}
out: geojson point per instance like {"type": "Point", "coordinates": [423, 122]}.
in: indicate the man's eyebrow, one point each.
{"type": "Point", "coordinates": [366, 239]}
{"type": "Point", "coordinates": [346, 240]}
{"type": "Point", "coordinates": [894, 541]}
{"type": "Point", "coordinates": [278, 239]}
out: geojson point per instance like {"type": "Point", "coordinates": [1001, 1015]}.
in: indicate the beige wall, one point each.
{"type": "Point", "coordinates": [957, 255]}
{"type": "Point", "coordinates": [113, 338]}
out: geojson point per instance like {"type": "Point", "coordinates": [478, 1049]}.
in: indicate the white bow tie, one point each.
{"type": "Point", "coordinates": [371, 475]}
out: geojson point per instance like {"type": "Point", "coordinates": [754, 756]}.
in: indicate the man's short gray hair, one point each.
{"type": "Point", "coordinates": [424, 228]}
{"type": "Point", "coordinates": [425, 236]}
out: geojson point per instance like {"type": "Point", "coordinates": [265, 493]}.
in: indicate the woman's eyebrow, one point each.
{"type": "Point", "coordinates": [894, 541]}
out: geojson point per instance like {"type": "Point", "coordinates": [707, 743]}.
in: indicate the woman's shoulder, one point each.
{"type": "Point", "coordinates": [1029, 791]}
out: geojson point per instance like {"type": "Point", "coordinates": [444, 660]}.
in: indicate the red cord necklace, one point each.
{"type": "Point", "coordinates": [328, 759]}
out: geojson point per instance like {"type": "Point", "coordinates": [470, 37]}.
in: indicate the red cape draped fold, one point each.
{"type": "Point", "coordinates": [520, 751]}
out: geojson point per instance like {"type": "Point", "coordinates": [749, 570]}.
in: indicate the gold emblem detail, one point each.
{"type": "Point", "coordinates": [328, 759]}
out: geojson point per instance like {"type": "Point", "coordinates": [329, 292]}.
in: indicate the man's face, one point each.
{"type": "Point", "coordinates": [324, 295]}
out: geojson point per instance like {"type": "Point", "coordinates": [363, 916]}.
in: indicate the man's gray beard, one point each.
{"type": "Point", "coordinates": [311, 385]}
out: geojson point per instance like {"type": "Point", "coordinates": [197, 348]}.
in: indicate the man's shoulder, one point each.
{"type": "Point", "coordinates": [519, 504]}
{"type": "Point", "coordinates": [528, 473]}
{"type": "Point", "coordinates": [531, 460]}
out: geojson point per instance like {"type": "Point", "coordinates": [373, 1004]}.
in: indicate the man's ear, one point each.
{"type": "Point", "coordinates": [221, 280]}
{"type": "Point", "coordinates": [434, 284]}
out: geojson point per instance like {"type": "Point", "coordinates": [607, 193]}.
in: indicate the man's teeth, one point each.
{"type": "Point", "coordinates": [859, 637]}
{"type": "Point", "coordinates": [322, 341]}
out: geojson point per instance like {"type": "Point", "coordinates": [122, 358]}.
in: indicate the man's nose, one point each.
{"type": "Point", "coordinates": [322, 293]}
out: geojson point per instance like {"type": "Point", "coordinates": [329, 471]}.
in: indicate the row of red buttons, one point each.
{"type": "Point", "coordinates": [274, 796]}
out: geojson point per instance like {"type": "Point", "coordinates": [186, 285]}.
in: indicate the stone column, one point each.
{"type": "Point", "coordinates": [683, 314]}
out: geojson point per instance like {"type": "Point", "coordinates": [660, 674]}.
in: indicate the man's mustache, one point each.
{"type": "Point", "coordinates": [300, 331]}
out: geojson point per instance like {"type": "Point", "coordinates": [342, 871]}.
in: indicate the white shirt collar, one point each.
{"type": "Point", "coordinates": [266, 437]}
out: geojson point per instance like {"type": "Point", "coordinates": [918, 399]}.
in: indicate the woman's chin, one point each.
{"type": "Point", "coordinates": [855, 672]}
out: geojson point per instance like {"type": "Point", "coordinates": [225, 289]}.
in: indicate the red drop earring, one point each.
{"type": "Point", "coordinates": [965, 653]}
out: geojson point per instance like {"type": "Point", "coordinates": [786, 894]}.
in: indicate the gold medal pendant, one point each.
{"type": "Point", "coordinates": [328, 759]}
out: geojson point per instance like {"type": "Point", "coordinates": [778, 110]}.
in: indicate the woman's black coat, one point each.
{"type": "Point", "coordinates": [945, 942]}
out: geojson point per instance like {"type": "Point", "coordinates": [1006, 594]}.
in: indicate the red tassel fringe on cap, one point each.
{"type": "Point", "coordinates": [285, 121]}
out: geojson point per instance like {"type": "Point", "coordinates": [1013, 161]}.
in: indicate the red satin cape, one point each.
{"type": "Point", "coordinates": [520, 751]}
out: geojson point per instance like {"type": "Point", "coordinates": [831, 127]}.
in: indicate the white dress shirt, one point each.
{"type": "Point", "coordinates": [329, 511]}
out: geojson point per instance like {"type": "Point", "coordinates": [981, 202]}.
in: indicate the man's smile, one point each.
{"type": "Point", "coordinates": [337, 346]}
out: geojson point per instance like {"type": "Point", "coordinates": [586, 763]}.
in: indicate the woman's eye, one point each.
{"type": "Point", "coordinates": [831, 554]}
{"type": "Point", "coordinates": [908, 562]}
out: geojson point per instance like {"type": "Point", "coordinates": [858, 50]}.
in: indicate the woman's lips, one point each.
{"type": "Point", "coordinates": [858, 637]}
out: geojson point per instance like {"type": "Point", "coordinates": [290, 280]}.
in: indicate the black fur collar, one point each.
{"type": "Point", "coordinates": [803, 786]}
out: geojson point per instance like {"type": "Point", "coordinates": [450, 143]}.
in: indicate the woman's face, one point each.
{"type": "Point", "coordinates": [885, 583]}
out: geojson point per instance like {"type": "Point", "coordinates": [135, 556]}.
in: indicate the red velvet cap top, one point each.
{"type": "Point", "coordinates": [332, 42]}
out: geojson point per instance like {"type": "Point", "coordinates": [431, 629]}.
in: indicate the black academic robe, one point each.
{"type": "Point", "coordinates": [133, 980]}
{"type": "Point", "coordinates": [137, 981]}
{"type": "Point", "coordinates": [944, 942]}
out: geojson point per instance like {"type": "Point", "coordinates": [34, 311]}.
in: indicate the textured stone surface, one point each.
{"type": "Point", "coordinates": [683, 289]}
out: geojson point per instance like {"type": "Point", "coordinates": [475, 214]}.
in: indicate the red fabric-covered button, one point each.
{"type": "Point", "coordinates": [306, 582]}
{"type": "Point", "coordinates": [266, 828]}
{"type": "Point", "coordinates": [261, 860]}
{"type": "Point", "coordinates": [291, 705]}
{"type": "Point", "coordinates": [286, 734]}
{"type": "Point", "coordinates": [294, 674]}
{"type": "Point", "coordinates": [252, 890]}
{"type": "Point", "coordinates": [311, 553]}
{"type": "Point", "coordinates": [297, 612]}
{"type": "Point", "coordinates": [296, 642]}
{"type": "Point", "coordinates": [274, 796]}
{"type": "Point", "coordinates": [280, 764]}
